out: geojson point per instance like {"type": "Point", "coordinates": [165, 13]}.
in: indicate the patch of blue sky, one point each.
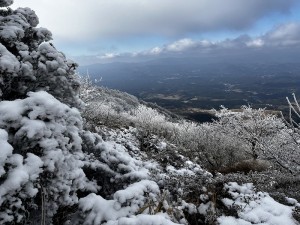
{"type": "Point", "coordinates": [261, 27]}
{"type": "Point", "coordinates": [275, 19]}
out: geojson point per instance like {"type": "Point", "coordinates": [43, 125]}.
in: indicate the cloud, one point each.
{"type": "Point", "coordinates": [284, 35]}
{"type": "Point", "coordinates": [282, 42]}
{"type": "Point", "coordinates": [258, 42]}
{"type": "Point", "coordinates": [181, 45]}
{"type": "Point", "coordinates": [92, 19]}
{"type": "Point", "coordinates": [109, 56]}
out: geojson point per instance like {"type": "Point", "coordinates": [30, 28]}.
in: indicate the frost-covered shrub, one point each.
{"type": "Point", "coordinates": [125, 203]}
{"type": "Point", "coordinates": [254, 207]}
{"type": "Point", "coordinates": [105, 106]}
{"type": "Point", "coordinates": [41, 169]}
{"type": "Point", "coordinates": [5, 3]}
{"type": "Point", "coordinates": [278, 184]}
{"type": "Point", "coordinates": [40, 126]}
{"type": "Point", "coordinates": [41, 145]}
{"type": "Point", "coordinates": [257, 134]}
{"type": "Point", "coordinates": [114, 165]}
{"type": "Point", "coordinates": [148, 118]}
{"type": "Point", "coordinates": [19, 182]}
{"type": "Point", "coordinates": [120, 101]}
{"type": "Point", "coordinates": [253, 127]}
{"type": "Point", "coordinates": [127, 187]}
{"type": "Point", "coordinates": [28, 62]}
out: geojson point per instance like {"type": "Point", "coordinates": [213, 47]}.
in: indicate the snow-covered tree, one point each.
{"type": "Point", "coordinates": [5, 3]}
{"type": "Point", "coordinates": [258, 134]}
{"type": "Point", "coordinates": [252, 126]}
{"type": "Point", "coordinates": [41, 145]}
{"type": "Point", "coordinates": [28, 62]}
{"type": "Point", "coordinates": [48, 133]}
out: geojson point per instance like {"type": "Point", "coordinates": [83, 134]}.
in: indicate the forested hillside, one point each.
{"type": "Point", "coordinates": [73, 153]}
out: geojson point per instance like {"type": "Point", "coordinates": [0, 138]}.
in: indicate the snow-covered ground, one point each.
{"type": "Point", "coordinates": [255, 207]}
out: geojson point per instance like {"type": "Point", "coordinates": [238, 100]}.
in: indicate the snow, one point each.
{"type": "Point", "coordinates": [127, 167]}
{"type": "Point", "coordinates": [8, 62]}
{"type": "Point", "coordinates": [189, 206]}
{"type": "Point", "coordinates": [205, 207]}
{"type": "Point", "coordinates": [20, 177]}
{"type": "Point", "coordinates": [292, 201]}
{"type": "Point", "coordinates": [4, 3]}
{"type": "Point", "coordinates": [27, 70]}
{"type": "Point", "coordinates": [12, 33]}
{"type": "Point", "coordinates": [6, 150]}
{"type": "Point", "coordinates": [29, 14]}
{"type": "Point", "coordinates": [189, 169]}
{"type": "Point", "coordinates": [44, 34]}
{"type": "Point", "coordinates": [135, 190]}
{"type": "Point", "coordinates": [161, 145]}
{"type": "Point", "coordinates": [126, 203]}
{"type": "Point", "coordinates": [52, 128]}
{"type": "Point", "coordinates": [255, 207]}
{"type": "Point", "coordinates": [21, 174]}
{"type": "Point", "coordinates": [225, 220]}
{"type": "Point", "coordinates": [158, 219]}
{"type": "Point", "coordinates": [181, 172]}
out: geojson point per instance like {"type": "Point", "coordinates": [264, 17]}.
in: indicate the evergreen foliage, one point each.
{"type": "Point", "coordinates": [29, 62]}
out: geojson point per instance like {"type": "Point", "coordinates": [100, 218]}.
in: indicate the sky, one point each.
{"type": "Point", "coordinates": [93, 31]}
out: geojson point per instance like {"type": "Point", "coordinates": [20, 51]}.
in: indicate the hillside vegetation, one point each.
{"type": "Point", "coordinates": [73, 153]}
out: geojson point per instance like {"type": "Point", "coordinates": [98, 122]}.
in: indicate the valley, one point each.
{"type": "Point", "coordinates": [191, 87]}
